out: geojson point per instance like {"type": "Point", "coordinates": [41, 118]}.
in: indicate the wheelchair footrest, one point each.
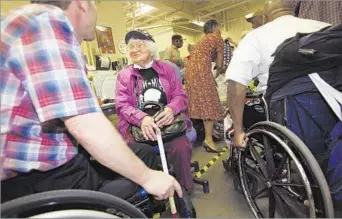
{"type": "Point", "coordinates": [203, 183]}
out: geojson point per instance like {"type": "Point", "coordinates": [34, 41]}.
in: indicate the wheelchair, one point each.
{"type": "Point", "coordinates": [71, 204]}
{"type": "Point", "coordinates": [141, 199]}
{"type": "Point", "coordinates": [276, 172]}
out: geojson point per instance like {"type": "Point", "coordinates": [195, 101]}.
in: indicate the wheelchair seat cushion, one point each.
{"type": "Point", "coordinates": [120, 187]}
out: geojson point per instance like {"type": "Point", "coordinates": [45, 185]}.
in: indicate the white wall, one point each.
{"type": "Point", "coordinates": [6, 6]}
{"type": "Point", "coordinates": [110, 13]}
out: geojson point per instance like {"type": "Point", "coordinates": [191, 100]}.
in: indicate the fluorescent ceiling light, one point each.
{"type": "Point", "coordinates": [248, 16]}
{"type": "Point", "coordinates": [199, 23]}
{"type": "Point", "coordinates": [100, 28]}
{"type": "Point", "coordinates": [142, 9]}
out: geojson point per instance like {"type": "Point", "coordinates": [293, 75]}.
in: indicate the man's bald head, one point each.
{"type": "Point", "coordinates": [277, 8]}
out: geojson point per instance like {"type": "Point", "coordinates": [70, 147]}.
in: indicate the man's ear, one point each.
{"type": "Point", "coordinates": [82, 5]}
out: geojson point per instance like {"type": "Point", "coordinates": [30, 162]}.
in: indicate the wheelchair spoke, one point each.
{"type": "Point", "coordinates": [251, 171]}
{"type": "Point", "coordinates": [271, 203]}
{"type": "Point", "coordinates": [292, 184]}
{"type": "Point", "coordinates": [280, 167]}
{"type": "Point", "coordinates": [261, 162]}
{"type": "Point", "coordinates": [259, 193]}
{"type": "Point", "coordinates": [269, 158]}
{"type": "Point", "coordinates": [295, 208]}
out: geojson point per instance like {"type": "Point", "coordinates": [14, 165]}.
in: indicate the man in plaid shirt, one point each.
{"type": "Point", "coordinates": [43, 88]}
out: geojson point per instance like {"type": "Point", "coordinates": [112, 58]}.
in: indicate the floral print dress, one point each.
{"type": "Point", "coordinates": [204, 101]}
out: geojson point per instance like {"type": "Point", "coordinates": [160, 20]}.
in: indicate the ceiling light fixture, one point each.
{"type": "Point", "coordinates": [199, 23]}
{"type": "Point", "coordinates": [249, 16]}
{"type": "Point", "coordinates": [142, 9]}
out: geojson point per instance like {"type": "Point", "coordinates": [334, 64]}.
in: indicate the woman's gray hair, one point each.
{"type": "Point", "coordinates": [153, 48]}
{"type": "Point", "coordinates": [210, 25]}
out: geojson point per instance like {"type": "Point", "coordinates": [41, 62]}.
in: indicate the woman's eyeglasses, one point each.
{"type": "Point", "coordinates": [136, 46]}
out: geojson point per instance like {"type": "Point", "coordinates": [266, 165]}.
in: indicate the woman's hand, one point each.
{"type": "Point", "coordinates": [149, 128]}
{"type": "Point", "coordinates": [165, 118]}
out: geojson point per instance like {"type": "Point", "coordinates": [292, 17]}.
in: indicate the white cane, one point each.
{"type": "Point", "coordinates": [166, 170]}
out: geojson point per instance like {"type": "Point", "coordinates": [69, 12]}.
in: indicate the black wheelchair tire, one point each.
{"type": "Point", "coordinates": [45, 202]}
{"type": "Point", "coordinates": [309, 159]}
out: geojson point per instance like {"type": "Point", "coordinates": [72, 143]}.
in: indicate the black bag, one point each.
{"type": "Point", "coordinates": [176, 129]}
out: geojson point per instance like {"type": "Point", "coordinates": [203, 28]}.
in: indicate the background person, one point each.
{"type": "Point", "coordinates": [172, 53]}
{"type": "Point", "coordinates": [253, 56]}
{"type": "Point", "coordinates": [256, 19]}
{"type": "Point", "coordinates": [204, 101]}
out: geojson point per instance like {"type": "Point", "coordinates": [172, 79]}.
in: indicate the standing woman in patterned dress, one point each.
{"type": "Point", "coordinates": [204, 101]}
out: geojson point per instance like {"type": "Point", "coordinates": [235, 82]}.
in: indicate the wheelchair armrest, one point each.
{"type": "Point", "coordinates": [250, 95]}
{"type": "Point", "coordinates": [108, 109]}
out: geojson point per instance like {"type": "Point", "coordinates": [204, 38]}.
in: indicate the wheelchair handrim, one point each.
{"type": "Point", "coordinates": [75, 213]}
{"type": "Point", "coordinates": [309, 161]}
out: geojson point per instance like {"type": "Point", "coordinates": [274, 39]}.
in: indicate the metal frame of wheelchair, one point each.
{"type": "Point", "coordinates": [277, 173]}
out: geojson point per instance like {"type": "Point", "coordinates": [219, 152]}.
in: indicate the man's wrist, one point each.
{"type": "Point", "coordinates": [144, 177]}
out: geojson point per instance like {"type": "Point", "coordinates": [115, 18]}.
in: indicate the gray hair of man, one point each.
{"type": "Point", "coordinates": [152, 48]}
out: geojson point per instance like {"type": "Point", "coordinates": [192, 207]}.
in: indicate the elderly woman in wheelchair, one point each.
{"type": "Point", "coordinates": [150, 97]}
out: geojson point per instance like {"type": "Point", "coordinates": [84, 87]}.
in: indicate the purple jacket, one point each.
{"type": "Point", "coordinates": [125, 98]}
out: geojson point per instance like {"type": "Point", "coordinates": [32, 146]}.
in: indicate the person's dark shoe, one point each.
{"type": "Point", "coordinates": [208, 149]}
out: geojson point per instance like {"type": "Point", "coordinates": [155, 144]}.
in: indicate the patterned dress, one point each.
{"type": "Point", "coordinates": [204, 101]}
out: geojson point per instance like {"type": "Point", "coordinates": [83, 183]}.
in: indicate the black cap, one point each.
{"type": "Point", "coordinates": [177, 37]}
{"type": "Point", "coordinates": [138, 35]}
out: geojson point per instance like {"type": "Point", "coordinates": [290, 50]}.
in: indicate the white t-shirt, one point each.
{"type": "Point", "coordinates": [253, 56]}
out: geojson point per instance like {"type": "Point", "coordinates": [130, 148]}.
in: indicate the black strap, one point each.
{"type": "Point", "coordinates": [135, 79]}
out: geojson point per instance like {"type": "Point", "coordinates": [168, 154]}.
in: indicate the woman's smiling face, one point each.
{"type": "Point", "coordinates": [138, 51]}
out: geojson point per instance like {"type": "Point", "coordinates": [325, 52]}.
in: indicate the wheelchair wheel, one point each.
{"type": "Point", "coordinates": [71, 204]}
{"type": "Point", "coordinates": [290, 181]}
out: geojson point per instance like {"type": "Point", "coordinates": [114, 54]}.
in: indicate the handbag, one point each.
{"type": "Point", "coordinates": [168, 133]}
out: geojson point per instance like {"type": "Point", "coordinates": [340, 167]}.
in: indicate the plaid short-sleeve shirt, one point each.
{"type": "Point", "coordinates": [42, 80]}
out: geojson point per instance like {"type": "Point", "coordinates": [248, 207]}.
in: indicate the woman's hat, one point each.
{"type": "Point", "coordinates": [138, 35]}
